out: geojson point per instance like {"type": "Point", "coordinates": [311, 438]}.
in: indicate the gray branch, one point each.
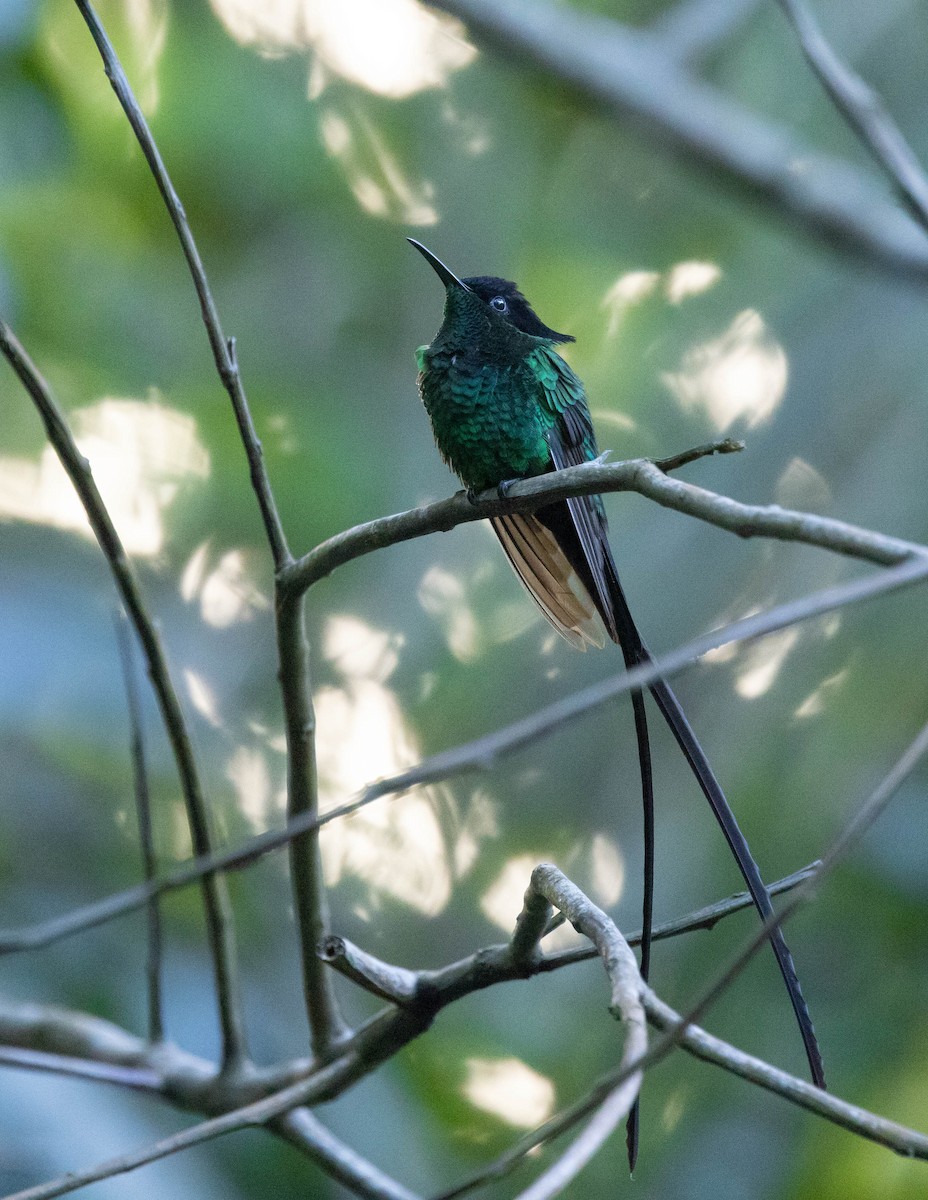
{"type": "Point", "coordinates": [146, 834]}
{"type": "Point", "coordinates": [864, 111]}
{"type": "Point", "coordinates": [639, 475]}
{"type": "Point", "coordinates": [482, 753]}
{"type": "Point", "coordinates": [631, 73]}
{"type": "Point", "coordinates": [223, 348]}
{"type": "Point", "coordinates": [215, 899]}
{"type": "Point", "coordinates": [306, 872]}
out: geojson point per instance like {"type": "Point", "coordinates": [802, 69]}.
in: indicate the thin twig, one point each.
{"type": "Point", "coordinates": [481, 753]}
{"type": "Point", "coordinates": [678, 1029]}
{"type": "Point", "coordinates": [223, 348]}
{"type": "Point", "coordinates": [146, 836]}
{"type": "Point", "coordinates": [631, 72]}
{"type": "Point", "coordinates": [864, 111]}
{"type": "Point", "coordinates": [551, 884]}
{"type": "Point", "coordinates": [326, 1024]}
{"type": "Point", "coordinates": [676, 461]}
{"type": "Point", "coordinates": [339, 1161]}
{"type": "Point", "coordinates": [140, 1079]}
{"type": "Point", "coordinates": [310, 904]}
{"type": "Point", "coordinates": [218, 915]}
{"type": "Point", "coordinates": [691, 30]}
{"type": "Point", "coordinates": [639, 475]}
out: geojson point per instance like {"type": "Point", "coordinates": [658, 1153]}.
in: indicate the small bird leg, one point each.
{"type": "Point", "coordinates": [502, 488]}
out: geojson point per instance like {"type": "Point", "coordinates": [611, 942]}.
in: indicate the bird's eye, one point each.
{"type": "Point", "coordinates": [499, 303]}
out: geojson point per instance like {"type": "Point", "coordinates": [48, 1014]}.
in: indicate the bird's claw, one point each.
{"type": "Point", "coordinates": [502, 488]}
{"type": "Point", "coordinates": [472, 496]}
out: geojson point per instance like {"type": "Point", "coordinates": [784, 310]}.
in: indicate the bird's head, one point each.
{"type": "Point", "coordinates": [496, 300]}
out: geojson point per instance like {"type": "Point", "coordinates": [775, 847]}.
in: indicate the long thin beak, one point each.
{"type": "Point", "coordinates": [448, 278]}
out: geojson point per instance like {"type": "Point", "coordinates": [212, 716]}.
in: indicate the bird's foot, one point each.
{"type": "Point", "coordinates": [472, 496]}
{"type": "Point", "coordinates": [502, 488]}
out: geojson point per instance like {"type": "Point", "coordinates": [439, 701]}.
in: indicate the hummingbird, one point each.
{"type": "Point", "coordinates": [504, 406]}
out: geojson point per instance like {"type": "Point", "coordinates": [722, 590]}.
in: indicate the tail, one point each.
{"type": "Point", "coordinates": [541, 555]}
{"type": "Point", "coordinates": [634, 649]}
{"type": "Point", "coordinates": [544, 548]}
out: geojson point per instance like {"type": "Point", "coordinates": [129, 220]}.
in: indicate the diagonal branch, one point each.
{"type": "Point", "coordinates": [632, 73]}
{"type": "Point", "coordinates": [215, 899]}
{"type": "Point", "coordinates": [863, 110]}
{"type": "Point", "coordinates": [480, 754]}
{"type": "Point", "coordinates": [339, 1161]}
{"type": "Point", "coordinates": [223, 348]}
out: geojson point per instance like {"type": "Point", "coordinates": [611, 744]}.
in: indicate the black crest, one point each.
{"type": "Point", "coordinates": [504, 297]}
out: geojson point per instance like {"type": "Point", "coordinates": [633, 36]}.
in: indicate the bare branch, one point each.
{"type": "Point", "coordinates": [481, 754]}
{"type": "Point", "coordinates": [326, 1023]}
{"type": "Point", "coordinates": [639, 475]}
{"type": "Point", "coordinates": [864, 111]}
{"type": "Point", "coordinates": [308, 1134]}
{"type": "Point", "coordinates": [310, 906]}
{"type": "Point", "coordinates": [146, 837]}
{"type": "Point", "coordinates": [692, 29]}
{"type": "Point", "coordinates": [138, 1079]}
{"type": "Point", "coordinates": [622, 969]}
{"type": "Point", "coordinates": [379, 1039]}
{"type": "Point", "coordinates": [631, 73]}
{"type": "Point", "coordinates": [676, 461]}
{"type": "Point", "coordinates": [910, 1142]}
{"type": "Point", "coordinates": [381, 979]}
{"type": "Point", "coordinates": [223, 348]}
{"type": "Point", "coordinates": [218, 916]}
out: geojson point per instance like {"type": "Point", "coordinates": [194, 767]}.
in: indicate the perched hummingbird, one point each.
{"type": "Point", "coordinates": [504, 405]}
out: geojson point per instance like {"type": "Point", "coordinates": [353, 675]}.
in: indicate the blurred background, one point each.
{"type": "Point", "coordinates": [307, 139]}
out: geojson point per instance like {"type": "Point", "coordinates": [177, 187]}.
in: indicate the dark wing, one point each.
{"type": "Point", "coordinates": [579, 525]}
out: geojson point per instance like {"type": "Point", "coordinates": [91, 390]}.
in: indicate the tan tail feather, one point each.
{"type": "Point", "coordinates": [549, 578]}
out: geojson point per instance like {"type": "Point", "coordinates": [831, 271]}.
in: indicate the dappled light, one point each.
{"type": "Point", "coordinates": [680, 282]}
{"type": "Point", "coordinates": [410, 848]}
{"type": "Point", "coordinates": [509, 1089]}
{"type": "Point", "coordinates": [801, 486]}
{"type": "Point", "coordinates": [607, 871]}
{"type": "Point", "coordinates": [374, 173]}
{"type": "Point", "coordinates": [687, 279]}
{"type": "Point", "coordinates": [442, 596]}
{"type": "Point", "coordinates": [453, 602]}
{"type": "Point", "coordinates": [227, 594]}
{"type": "Point", "coordinates": [141, 453]}
{"type": "Point", "coordinates": [247, 771]}
{"type": "Point", "coordinates": [763, 662]}
{"type": "Point", "coordinates": [629, 289]}
{"type": "Point", "coordinates": [390, 47]}
{"type": "Point", "coordinates": [203, 697]}
{"type": "Point", "coordinates": [816, 702]}
{"type": "Point", "coordinates": [740, 376]}
{"type": "Point", "coordinates": [671, 186]}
